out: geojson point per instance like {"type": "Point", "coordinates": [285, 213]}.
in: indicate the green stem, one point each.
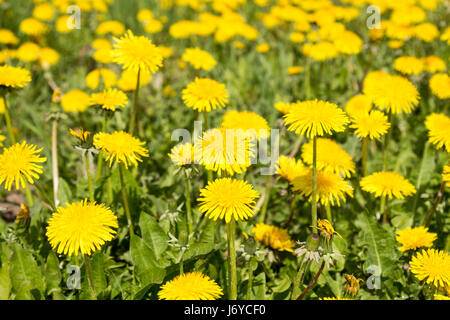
{"type": "Point", "coordinates": [12, 138]}
{"type": "Point", "coordinates": [431, 212]}
{"type": "Point", "coordinates": [109, 190]}
{"type": "Point", "coordinates": [100, 157]}
{"type": "Point", "coordinates": [125, 200]}
{"type": "Point", "coordinates": [55, 162]}
{"type": "Point", "coordinates": [387, 138]}
{"type": "Point", "coordinates": [269, 184]}
{"type": "Point", "coordinates": [291, 211]}
{"type": "Point", "coordinates": [88, 172]}
{"type": "Point", "coordinates": [312, 282]}
{"type": "Point", "coordinates": [187, 195]}
{"type": "Point", "coordinates": [383, 209]}
{"type": "Point", "coordinates": [314, 184]}
{"type": "Point", "coordinates": [364, 156]}
{"type": "Point", "coordinates": [28, 195]}
{"type": "Point", "coordinates": [329, 215]}
{"type": "Point", "coordinates": [134, 109]}
{"type": "Point", "coordinates": [298, 278]}
{"type": "Point", "coordinates": [231, 229]}
{"type": "Point", "coordinates": [87, 264]}
{"type": "Point", "coordinates": [307, 79]}
{"type": "Point", "coordinates": [250, 280]}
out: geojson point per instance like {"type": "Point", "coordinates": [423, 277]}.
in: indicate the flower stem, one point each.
{"type": "Point", "coordinates": [55, 162]}
{"type": "Point", "coordinates": [291, 211]}
{"type": "Point", "coordinates": [431, 212]}
{"type": "Point", "coordinates": [329, 215]}
{"type": "Point", "coordinates": [298, 279]}
{"type": "Point", "coordinates": [307, 79]}
{"type": "Point", "coordinates": [364, 156]}
{"type": "Point", "coordinates": [231, 229]}
{"type": "Point", "coordinates": [88, 172]}
{"type": "Point", "coordinates": [28, 195]}
{"type": "Point", "coordinates": [250, 280]}
{"type": "Point", "coordinates": [269, 184]}
{"type": "Point", "coordinates": [109, 190]}
{"type": "Point", "coordinates": [100, 157]}
{"type": "Point", "coordinates": [314, 184]}
{"type": "Point", "coordinates": [87, 264]}
{"type": "Point", "coordinates": [312, 282]}
{"type": "Point", "coordinates": [187, 196]}
{"type": "Point", "coordinates": [134, 109]}
{"type": "Point", "coordinates": [387, 138]}
{"type": "Point", "coordinates": [383, 209]}
{"type": "Point", "coordinates": [12, 138]}
{"type": "Point", "coordinates": [125, 200]}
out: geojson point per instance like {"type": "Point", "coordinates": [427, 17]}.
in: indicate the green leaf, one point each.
{"type": "Point", "coordinates": [53, 274]}
{"type": "Point", "coordinates": [25, 275]}
{"type": "Point", "coordinates": [64, 193]}
{"type": "Point", "coordinates": [98, 271]}
{"type": "Point", "coordinates": [146, 267]}
{"type": "Point", "coordinates": [153, 235]}
{"type": "Point", "coordinates": [5, 282]}
{"type": "Point", "coordinates": [259, 286]}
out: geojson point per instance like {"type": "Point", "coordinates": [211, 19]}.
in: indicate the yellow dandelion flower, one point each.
{"type": "Point", "coordinates": [127, 81]}
{"type": "Point", "coordinates": [331, 188]}
{"type": "Point", "coordinates": [33, 27]}
{"type": "Point", "coordinates": [205, 95]}
{"type": "Point", "coordinates": [273, 237]}
{"type": "Point", "coordinates": [409, 65]}
{"type": "Point", "coordinates": [153, 26]}
{"type": "Point", "coordinates": [2, 105]}
{"type": "Point", "coordinates": [440, 85]}
{"type": "Point", "coordinates": [28, 52]}
{"type": "Point", "coordinates": [297, 37]}
{"type": "Point", "coordinates": [433, 64]}
{"type": "Point", "coordinates": [330, 157]}
{"type": "Point", "coordinates": [413, 238]}
{"type": "Point", "coordinates": [182, 154]}
{"type": "Point", "coordinates": [14, 77]}
{"type": "Point", "coordinates": [190, 286]}
{"type": "Point", "coordinates": [326, 229]}
{"type": "Point", "coordinates": [2, 138]}
{"type": "Point", "coordinates": [227, 198]}
{"type": "Point", "coordinates": [224, 150]}
{"type": "Point", "coordinates": [80, 134]}
{"type": "Point", "coordinates": [81, 227]}
{"type": "Point", "coordinates": [120, 147]}
{"type": "Point", "coordinates": [393, 93]}
{"type": "Point", "coordinates": [438, 125]}
{"type": "Point", "coordinates": [44, 12]}
{"type": "Point", "coordinates": [387, 183]}
{"type": "Point", "coordinates": [106, 76]}
{"type": "Point", "coordinates": [372, 125]}
{"type": "Point", "coordinates": [48, 57]}
{"type": "Point", "coordinates": [440, 297]}
{"type": "Point", "coordinates": [137, 53]}
{"type": "Point", "coordinates": [352, 285]}
{"type": "Point", "coordinates": [75, 101]}
{"type": "Point", "coordinates": [320, 51]}
{"type": "Point", "coordinates": [61, 24]}
{"type": "Point", "coordinates": [445, 36]}
{"type": "Point", "coordinates": [251, 123]}
{"type": "Point", "coordinates": [8, 37]}
{"type": "Point", "coordinates": [263, 48]}
{"type": "Point", "coordinates": [289, 168]}
{"type": "Point", "coordinates": [348, 42]}
{"type": "Point", "coordinates": [199, 59]}
{"type": "Point", "coordinates": [283, 107]}
{"type": "Point", "coordinates": [20, 163]}
{"type": "Point", "coordinates": [109, 99]}
{"type": "Point", "coordinates": [315, 118]}
{"type": "Point", "coordinates": [334, 298]}
{"type": "Point", "coordinates": [395, 44]}
{"type": "Point", "coordinates": [110, 27]}
{"type": "Point", "coordinates": [294, 70]}
{"type": "Point", "coordinates": [446, 175]}
{"type": "Point", "coordinates": [432, 266]}
{"type": "Point", "coordinates": [426, 31]}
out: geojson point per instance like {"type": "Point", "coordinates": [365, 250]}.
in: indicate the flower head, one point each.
{"type": "Point", "coordinates": [109, 99]}
{"type": "Point", "coordinates": [103, 75]}
{"type": "Point", "coordinates": [330, 157]}
{"type": "Point", "coordinates": [120, 147]}
{"type": "Point", "coordinates": [358, 104]}
{"type": "Point", "coordinates": [440, 85]}
{"type": "Point", "coordinates": [80, 134]}
{"type": "Point", "coordinates": [273, 237]}
{"type": "Point", "coordinates": [387, 183]}
{"type": "Point", "coordinates": [438, 125]}
{"type": "Point", "coordinates": [127, 81]}
{"type": "Point", "coordinates": [136, 53]}
{"type": "Point", "coordinates": [413, 238]}
{"type": "Point", "coordinates": [315, 118]}
{"type": "Point", "coordinates": [326, 229]}
{"type": "Point", "coordinates": [199, 59]}
{"type": "Point", "coordinates": [205, 95]}
{"type": "Point", "coordinates": [289, 168]}
{"type": "Point", "coordinates": [283, 107]}
{"type": "Point", "coordinates": [182, 154]}
{"type": "Point", "coordinates": [372, 125]}
{"type": "Point", "coordinates": [81, 227]}
{"type": "Point", "coordinates": [190, 286]}
{"type": "Point", "coordinates": [433, 266]}
{"type": "Point", "coordinates": [14, 77]}
{"type": "Point", "coordinates": [228, 198]}
{"type": "Point", "coordinates": [409, 65]}
{"type": "Point", "coordinates": [250, 122]}
{"type": "Point", "coordinates": [331, 188]}
{"type": "Point", "coordinates": [352, 285]}
{"type": "Point", "coordinates": [20, 163]}
{"type": "Point", "coordinates": [446, 175]}
{"type": "Point", "coordinates": [75, 101]}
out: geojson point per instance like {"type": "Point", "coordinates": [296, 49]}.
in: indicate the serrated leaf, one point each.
{"type": "Point", "coordinates": [5, 282]}
{"type": "Point", "coordinates": [98, 271]}
{"type": "Point", "coordinates": [52, 274]}
{"type": "Point", "coordinates": [146, 267]}
{"type": "Point", "coordinates": [153, 235]}
{"type": "Point", "coordinates": [64, 193]}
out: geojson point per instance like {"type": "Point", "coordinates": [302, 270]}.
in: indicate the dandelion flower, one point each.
{"type": "Point", "coordinates": [334, 298]}
{"type": "Point", "coordinates": [426, 31]}
{"type": "Point", "coordinates": [205, 95]}
{"type": "Point", "coordinates": [137, 53]}
{"type": "Point", "coordinates": [75, 101]}
{"type": "Point", "coordinates": [20, 163]}
{"type": "Point", "coordinates": [248, 121]}
{"type": "Point", "coordinates": [372, 125]}
{"type": "Point", "coordinates": [438, 125]}
{"type": "Point", "coordinates": [331, 188]}
{"type": "Point", "coordinates": [263, 48]}
{"type": "Point", "coordinates": [109, 99]}
{"type": "Point", "coordinates": [409, 65]}
{"type": "Point", "coordinates": [330, 157]}
{"type": "Point", "coordinates": [110, 27]}
{"type": "Point", "coordinates": [127, 81]}
{"type": "Point", "coordinates": [358, 104]}
{"type": "Point", "coordinates": [283, 107]}
{"type": "Point", "coordinates": [413, 238]}
{"type": "Point", "coordinates": [289, 168]}
{"type": "Point", "coordinates": [393, 93]}
{"type": "Point", "coordinates": [8, 37]}
{"type": "Point", "coordinates": [190, 286]}
{"type": "Point", "coordinates": [440, 297]}
{"type": "Point", "coordinates": [433, 64]}
{"type": "Point", "coordinates": [199, 59]}
{"type": "Point", "coordinates": [315, 118]}
{"type": "Point", "coordinates": [120, 147]}
{"type": "Point", "coordinates": [106, 76]}
{"type": "Point", "coordinates": [2, 138]}
{"type": "Point", "coordinates": [432, 266]}
{"type": "Point", "coordinates": [326, 229]}
{"type": "Point", "coordinates": [81, 227]}
{"type": "Point", "coordinates": [320, 51]}
{"type": "Point", "coordinates": [387, 183]}
{"type": "Point", "coordinates": [273, 237]}
{"type": "Point", "coordinates": [182, 154]}
{"type": "Point", "coordinates": [223, 150]}
{"type": "Point", "coordinates": [294, 70]}
{"type": "Point", "coordinates": [227, 198]}
{"type": "Point", "coordinates": [33, 27]}
{"type": "Point", "coordinates": [14, 77]}
{"type": "Point", "coordinates": [446, 175]}
{"type": "Point", "coordinates": [28, 52]}
{"type": "Point", "coordinates": [440, 85]}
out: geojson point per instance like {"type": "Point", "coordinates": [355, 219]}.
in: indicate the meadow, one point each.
{"type": "Point", "coordinates": [224, 149]}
